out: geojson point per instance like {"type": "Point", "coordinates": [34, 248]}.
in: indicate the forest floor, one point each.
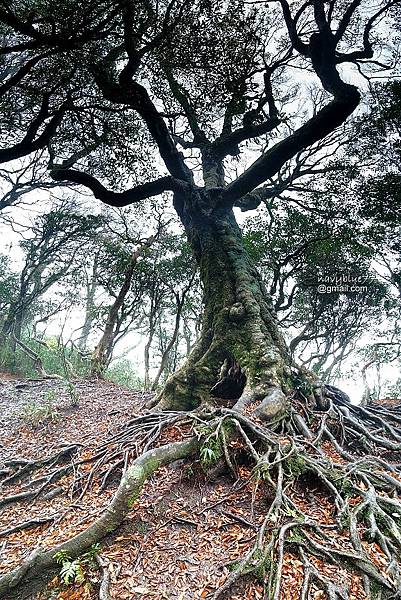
{"type": "Point", "coordinates": [182, 534]}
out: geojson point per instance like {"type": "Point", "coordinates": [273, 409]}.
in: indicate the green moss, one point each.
{"type": "Point", "coordinates": [376, 590]}
{"type": "Point", "coordinates": [234, 566]}
{"type": "Point", "coordinates": [345, 520]}
{"type": "Point", "coordinates": [347, 487]}
{"type": "Point", "coordinates": [152, 464]}
{"type": "Point", "coordinates": [228, 428]}
{"type": "Point", "coordinates": [296, 539]}
{"type": "Point", "coordinates": [336, 476]}
{"type": "Point", "coordinates": [132, 499]}
{"type": "Point", "coordinates": [135, 472]}
{"type": "Point", "coordinates": [262, 565]}
{"type": "Point", "coordinates": [297, 466]}
{"type": "Point", "coordinates": [136, 475]}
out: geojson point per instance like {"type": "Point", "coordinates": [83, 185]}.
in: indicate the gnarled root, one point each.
{"type": "Point", "coordinates": [350, 452]}
{"type": "Point", "coordinates": [330, 473]}
{"type": "Point", "coordinates": [123, 500]}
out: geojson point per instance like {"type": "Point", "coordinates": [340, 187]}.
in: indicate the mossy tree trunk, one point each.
{"type": "Point", "coordinates": [239, 322]}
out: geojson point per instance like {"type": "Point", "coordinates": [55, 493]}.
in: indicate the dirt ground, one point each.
{"type": "Point", "coordinates": [178, 537]}
{"type": "Point", "coordinates": [181, 537]}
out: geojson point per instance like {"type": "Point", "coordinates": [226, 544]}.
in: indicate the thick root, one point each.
{"type": "Point", "coordinates": [306, 450]}
{"type": "Point", "coordinates": [124, 499]}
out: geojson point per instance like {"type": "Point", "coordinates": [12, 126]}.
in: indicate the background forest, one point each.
{"type": "Point", "coordinates": [87, 289]}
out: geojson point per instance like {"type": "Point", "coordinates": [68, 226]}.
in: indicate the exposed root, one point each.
{"type": "Point", "coordinates": [104, 591]}
{"type": "Point", "coordinates": [122, 502]}
{"type": "Point", "coordinates": [328, 448]}
{"type": "Point", "coordinates": [350, 454]}
{"type": "Point", "coordinates": [113, 456]}
{"type": "Point", "coordinates": [26, 525]}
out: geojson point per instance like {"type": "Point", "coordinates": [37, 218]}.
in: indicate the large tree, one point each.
{"type": "Point", "coordinates": [218, 104]}
{"type": "Point", "coordinates": [110, 85]}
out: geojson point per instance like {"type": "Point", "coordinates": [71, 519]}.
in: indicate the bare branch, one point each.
{"type": "Point", "coordinates": [136, 194]}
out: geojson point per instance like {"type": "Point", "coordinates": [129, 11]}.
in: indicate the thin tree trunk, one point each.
{"type": "Point", "coordinates": [89, 307]}
{"type": "Point", "coordinates": [166, 353]}
{"type": "Point", "coordinates": [147, 358]}
{"type": "Point", "coordinates": [102, 353]}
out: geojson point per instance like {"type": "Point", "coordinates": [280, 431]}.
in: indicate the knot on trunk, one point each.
{"type": "Point", "coordinates": [273, 405]}
{"type": "Point", "coordinates": [237, 312]}
{"type": "Point", "coordinates": [231, 383]}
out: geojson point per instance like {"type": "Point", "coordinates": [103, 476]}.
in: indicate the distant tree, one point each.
{"type": "Point", "coordinates": [8, 284]}
{"type": "Point", "coordinates": [51, 253]}
{"type": "Point", "coordinates": [90, 310]}
{"type": "Point", "coordinates": [117, 313]}
{"type": "Point", "coordinates": [168, 274]}
{"type": "Point", "coordinates": [379, 192]}
{"type": "Point", "coordinates": [306, 259]}
{"type": "Point", "coordinates": [177, 273]}
{"type": "Point", "coordinates": [24, 177]}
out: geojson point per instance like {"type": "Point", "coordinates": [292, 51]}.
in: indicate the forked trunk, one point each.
{"type": "Point", "coordinates": [239, 323]}
{"type": "Point", "coordinates": [102, 353]}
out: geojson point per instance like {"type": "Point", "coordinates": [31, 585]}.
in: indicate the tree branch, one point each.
{"type": "Point", "coordinates": [367, 51]}
{"type": "Point", "coordinates": [136, 194]}
{"type": "Point", "coordinates": [134, 95]}
{"type": "Point", "coordinates": [320, 125]}
{"type": "Point", "coordinates": [29, 144]}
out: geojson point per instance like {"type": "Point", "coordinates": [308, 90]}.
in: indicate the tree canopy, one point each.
{"type": "Point", "coordinates": [216, 107]}
{"type": "Point", "coordinates": [103, 86]}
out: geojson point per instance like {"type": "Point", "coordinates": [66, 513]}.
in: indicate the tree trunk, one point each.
{"type": "Point", "coordinates": [146, 383]}
{"type": "Point", "coordinates": [166, 353]}
{"type": "Point", "coordinates": [103, 351]}
{"type": "Point", "coordinates": [89, 306]}
{"type": "Point", "coordinates": [12, 331]}
{"type": "Point", "coordinates": [239, 323]}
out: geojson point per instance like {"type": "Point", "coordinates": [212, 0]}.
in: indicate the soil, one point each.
{"type": "Point", "coordinates": [177, 538]}
{"type": "Point", "coordinates": [181, 537]}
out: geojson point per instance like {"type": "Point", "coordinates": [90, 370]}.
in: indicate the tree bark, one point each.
{"type": "Point", "coordinates": [239, 322]}
{"type": "Point", "coordinates": [103, 351]}
{"type": "Point", "coordinates": [89, 306]}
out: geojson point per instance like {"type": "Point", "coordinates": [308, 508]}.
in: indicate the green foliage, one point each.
{"type": "Point", "coordinates": [35, 414]}
{"type": "Point", "coordinates": [72, 393]}
{"type": "Point", "coordinates": [52, 355]}
{"type": "Point", "coordinates": [90, 556]}
{"type": "Point", "coordinates": [211, 449]}
{"type": "Point", "coordinates": [296, 465]}
{"type": "Point", "coordinates": [254, 243]}
{"type": "Point", "coordinates": [302, 385]}
{"type": "Point", "coordinates": [123, 373]}
{"type": "Point", "coordinates": [8, 283]}
{"type": "Point", "coordinates": [73, 570]}
{"type": "Point", "coordinates": [209, 454]}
